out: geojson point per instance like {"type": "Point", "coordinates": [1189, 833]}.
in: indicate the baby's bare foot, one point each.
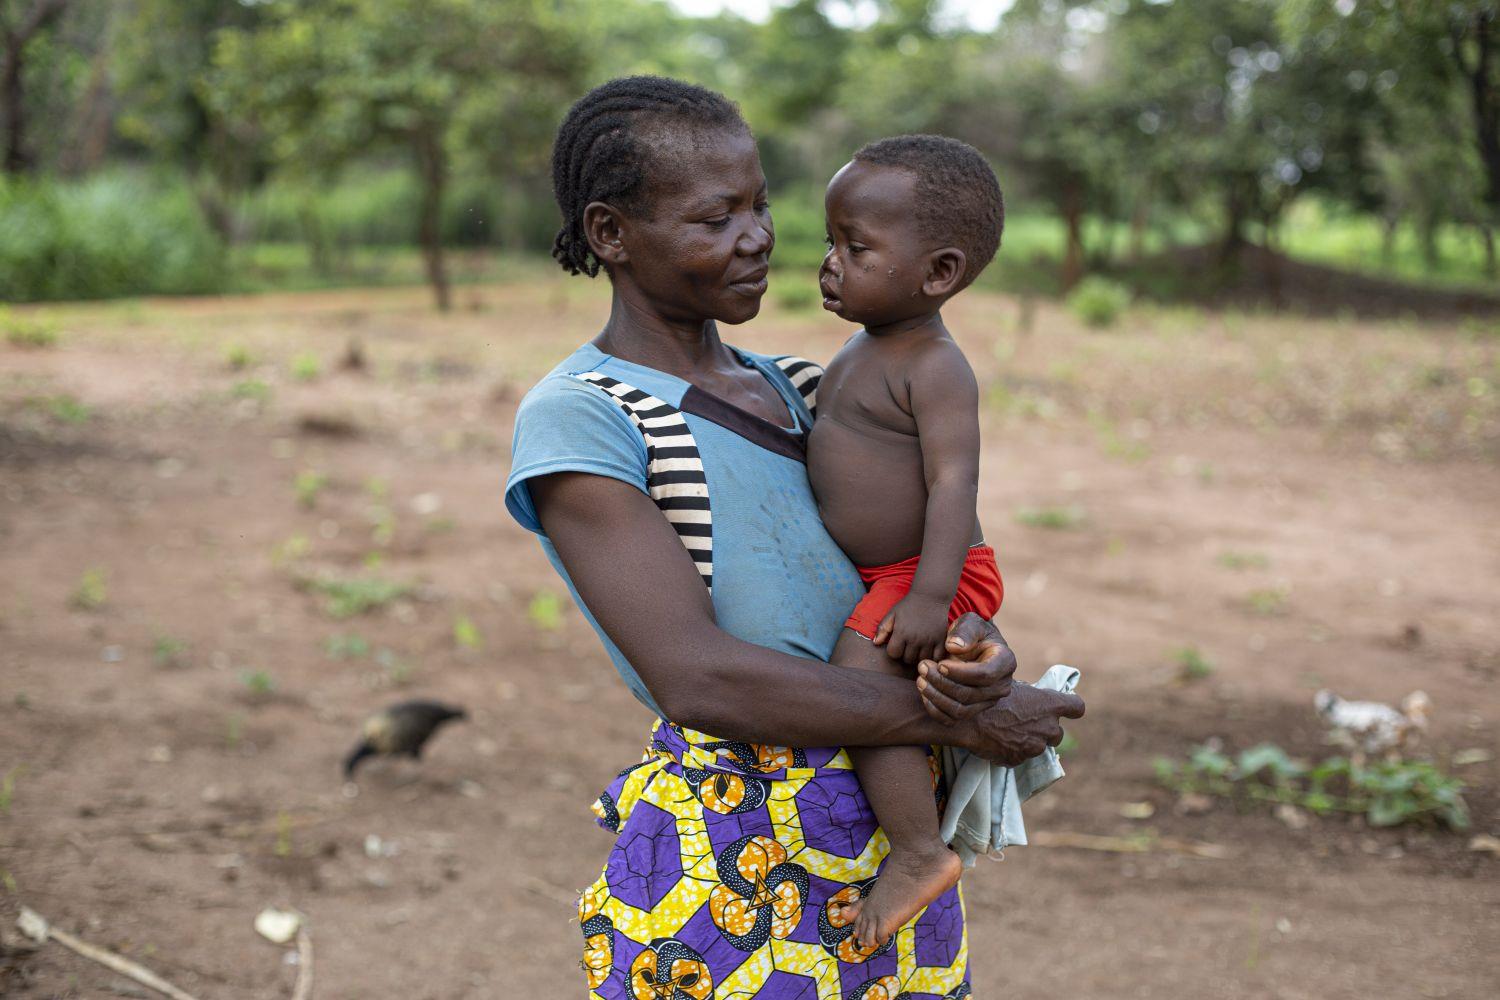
{"type": "Point", "coordinates": [909, 880]}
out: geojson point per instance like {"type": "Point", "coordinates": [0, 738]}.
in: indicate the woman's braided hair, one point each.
{"type": "Point", "coordinates": [601, 155]}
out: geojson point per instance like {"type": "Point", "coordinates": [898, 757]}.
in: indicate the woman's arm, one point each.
{"type": "Point", "coordinates": [639, 583]}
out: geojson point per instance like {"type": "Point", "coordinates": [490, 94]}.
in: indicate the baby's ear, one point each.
{"type": "Point", "coordinates": [603, 225]}
{"type": "Point", "coordinates": [945, 272]}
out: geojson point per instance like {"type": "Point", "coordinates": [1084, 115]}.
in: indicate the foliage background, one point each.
{"type": "Point", "coordinates": [178, 146]}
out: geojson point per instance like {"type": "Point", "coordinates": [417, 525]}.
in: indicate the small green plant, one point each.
{"type": "Point", "coordinates": [1052, 518]}
{"type": "Point", "coordinates": [377, 489]}
{"type": "Point", "coordinates": [251, 388]}
{"type": "Point", "coordinates": [167, 651]}
{"type": "Point", "coordinates": [234, 730]}
{"type": "Point", "coordinates": [237, 357]}
{"type": "Point", "coordinates": [8, 787]}
{"type": "Point", "coordinates": [1388, 793]}
{"type": "Point", "coordinates": [347, 646]}
{"type": "Point", "coordinates": [1192, 665]}
{"type": "Point", "coordinates": [291, 550]}
{"type": "Point", "coordinates": [394, 670]}
{"type": "Point", "coordinates": [308, 485]}
{"type": "Point", "coordinates": [545, 611]}
{"type": "Point", "coordinates": [283, 846]}
{"type": "Point", "coordinates": [1242, 560]}
{"type": "Point", "coordinates": [441, 525]}
{"type": "Point", "coordinates": [796, 293]}
{"type": "Point", "coordinates": [91, 593]}
{"type": "Point", "coordinates": [27, 331]}
{"type": "Point", "coordinates": [347, 598]}
{"type": "Point", "coordinates": [382, 526]}
{"type": "Point", "coordinates": [1098, 302]}
{"type": "Point", "coordinates": [259, 683]}
{"type": "Point", "coordinates": [466, 633]}
{"type": "Point", "coordinates": [69, 410]}
{"type": "Point", "coordinates": [306, 367]}
{"type": "Point", "coordinates": [1268, 600]}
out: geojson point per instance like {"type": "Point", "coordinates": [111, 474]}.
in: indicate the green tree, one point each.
{"type": "Point", "coordinates": [334, 81]}
{"type": "Point", "coordinates": [1436, 68]}
{"type": "Point", "coordinates": [24, 24]}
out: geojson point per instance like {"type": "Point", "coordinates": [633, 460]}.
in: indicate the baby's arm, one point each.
{"type": "Point", "coordinates": [945, 404]}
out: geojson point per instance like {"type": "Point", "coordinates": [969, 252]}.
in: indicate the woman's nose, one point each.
{"type": "Point", "coordinates": [757, 239]}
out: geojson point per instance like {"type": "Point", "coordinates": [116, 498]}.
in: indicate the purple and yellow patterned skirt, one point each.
{"type": "Point", "coordinates": [726, 875]}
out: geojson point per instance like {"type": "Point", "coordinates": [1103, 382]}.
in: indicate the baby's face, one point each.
{"type": "Point", "coordinates": [876, 261]}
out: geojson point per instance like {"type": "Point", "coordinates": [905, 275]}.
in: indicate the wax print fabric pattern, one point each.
{"type": "Point", "coordinates": [730, 858]}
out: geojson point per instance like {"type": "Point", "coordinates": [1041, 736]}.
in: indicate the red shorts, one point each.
{"type": "Point", "coordinates": [980, 590]}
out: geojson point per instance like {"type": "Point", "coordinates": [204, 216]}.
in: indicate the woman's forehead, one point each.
{"type": "Point", "coordinates": [707, 166]}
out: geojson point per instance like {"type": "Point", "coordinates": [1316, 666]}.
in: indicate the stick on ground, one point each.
{"type": "Point", "coordinates": [35, 926]}
{"type": "Point", "coordinates": [303, 989]}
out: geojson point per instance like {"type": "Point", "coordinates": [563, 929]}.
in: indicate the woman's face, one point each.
{"type": "Point", "coordinates": [702, 247]}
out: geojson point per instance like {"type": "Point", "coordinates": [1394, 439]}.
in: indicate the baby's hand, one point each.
{"type": "Point", "coordinates": [914, 630]}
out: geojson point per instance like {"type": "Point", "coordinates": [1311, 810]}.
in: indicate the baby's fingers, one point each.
{"type": "Point", "coordinates": [886, 627]}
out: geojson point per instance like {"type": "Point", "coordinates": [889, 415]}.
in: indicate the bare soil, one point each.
{"type": "Point", "coordinates": [172, 739]}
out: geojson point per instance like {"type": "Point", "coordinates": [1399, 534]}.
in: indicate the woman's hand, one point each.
{"type": "Point", "coordinates": [1005, 722]}
{"type": "Point", "coordinates": [974, 675]}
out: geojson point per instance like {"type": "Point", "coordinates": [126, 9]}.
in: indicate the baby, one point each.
{"type": "Point", "coordinates": [894, 460]}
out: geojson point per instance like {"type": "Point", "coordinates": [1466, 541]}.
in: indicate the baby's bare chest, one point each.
{"type": "Point", "coordinates": [863, 390]}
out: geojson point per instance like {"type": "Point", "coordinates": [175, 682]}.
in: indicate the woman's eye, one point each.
{"type": "Point", "coordinates": [719, 223]}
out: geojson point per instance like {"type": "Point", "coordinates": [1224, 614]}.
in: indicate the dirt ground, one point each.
{"type": "Point", "coordinates": [1307, 503]}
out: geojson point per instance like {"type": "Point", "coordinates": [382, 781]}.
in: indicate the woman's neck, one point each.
{"type": "Point", "coordinates": [644, 337]}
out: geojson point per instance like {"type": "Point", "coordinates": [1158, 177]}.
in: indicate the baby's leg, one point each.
{"type": "Point", "coordinates": [898, 783]}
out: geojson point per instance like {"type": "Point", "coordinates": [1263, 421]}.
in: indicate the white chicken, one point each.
{"type": "Point", "coordinates": [1369, 727]}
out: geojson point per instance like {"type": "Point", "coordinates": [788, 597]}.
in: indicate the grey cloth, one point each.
{"type": "Point", "coordinates": [983, 815]}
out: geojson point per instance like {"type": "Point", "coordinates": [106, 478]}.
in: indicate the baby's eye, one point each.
{"type": "Point", "coordinates": [828, 242]}
{"type": "Point", "coordinates": [855, 248]}
{"type": "Point", "coordinates": [763, 206]}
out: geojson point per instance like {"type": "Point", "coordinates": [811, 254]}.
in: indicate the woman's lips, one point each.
{"type": "Point", "coordinates": [753, 285]}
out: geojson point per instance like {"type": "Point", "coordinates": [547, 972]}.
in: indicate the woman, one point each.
{"type": "Point", "coordinates": [663, 470]}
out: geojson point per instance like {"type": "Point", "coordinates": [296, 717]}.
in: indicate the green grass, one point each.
{"type": "Point", "coordinates": [545, 611]}
{"type": "Point", "coordinates": [1388, 793]}
{"type": "Point", "coordinates": [91, 592]}
{"type": "Point", "coordinates": [259, 683]}
{"type": "Point", "coordinates": [1052, 518]}
{"type": "Point", "coordinates": [347, 646]}
{"type": "Point", "coordinates": [251, 388]}
{"type": "Point", "coordinates": [306, 367]}
{"type": "Point", "coordinates": [308, 486]}
{"type": "Point", "coordinates": [1242, 560]}
{"type": "Point", "coordinates": [1192, 665]}
{"type": "Point", "coordinates": [237, 357]}
{"type": "Point", "coordinates": [1268, 600]}
{"type": "Point", "coordinates": [167, 651]}
{"type": "Point", "coordinates": [27, 331]}
{"type": "Point", "coordinates": [348, 598]}
{"type": "Point", "coordinates": [466, 633]}
{"type": "Point", "coordinates": [8, 787]}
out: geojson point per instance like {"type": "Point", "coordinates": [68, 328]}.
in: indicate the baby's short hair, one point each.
{"type": "Point", "coordinates": [958, 196]}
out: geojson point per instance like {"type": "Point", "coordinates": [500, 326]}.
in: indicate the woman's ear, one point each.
{"type": "Point", "coordinates": [604, 225]}
{"type": "Point", "coordinates": [945, 272]}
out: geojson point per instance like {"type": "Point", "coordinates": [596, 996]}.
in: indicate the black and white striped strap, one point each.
{"type": "Point", "coordinates": [674, 468]}
{"type": "Point", "coordinates": [804, 376]}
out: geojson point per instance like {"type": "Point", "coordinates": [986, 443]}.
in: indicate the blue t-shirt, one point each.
{"type": "Point", "coordinates": [778, 579]}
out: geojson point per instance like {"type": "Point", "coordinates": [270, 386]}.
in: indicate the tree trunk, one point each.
{"type": "Point", "coordinates": [1388, 224]}
{"type": "Point", "coordinates": [1235, 212]}
{"type": "Point", "coordinates": [1487, 234]}
{"type": "Point", "coordinates": [13, 42]}
{"type": "Point", "coordinates": [1072, 208]}
{"type": "Point", "coordinates": [1138, 217]}
{"type": "Point", "coordinates": [432, 166]}
{"type": "Point", "coordinates": [1485, 92]}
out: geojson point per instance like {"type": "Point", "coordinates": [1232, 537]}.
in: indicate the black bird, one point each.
{"type": "Point", "coordinates": [400, 729]}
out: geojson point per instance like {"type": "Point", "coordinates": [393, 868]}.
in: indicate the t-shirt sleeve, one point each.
{"type": "Point", "coordinates": [565, 425]}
